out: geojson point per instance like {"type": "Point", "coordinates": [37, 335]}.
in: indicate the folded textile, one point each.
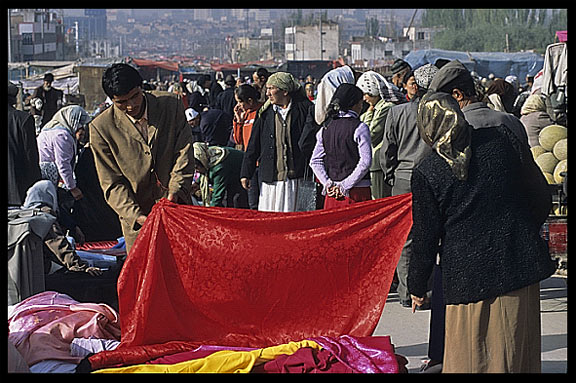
{"type": "Point", "coordinates": [372, 354]}
{"type": "Point", "coordinates": [237, 277]}
{"type": "Point", "coordinates": [369, 354]}
{"type": "Point", "coordinates": [130, 355]}
{"type": "Point", "coordinates": [226, 361]}
{"type": "Point", "coordinates": [305, 360]}
{"type": "Point", "coordinates": [83, 347]}
{"type": "Point", "coordinates": [197, 353]}
{"type": "Point", "coordinates": [43, 326]}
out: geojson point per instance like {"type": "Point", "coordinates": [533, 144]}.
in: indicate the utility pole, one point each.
{"type": "Point", "coordinates": [9, 37]}
{"type": "Point", "coordinates": [76, 38]}
{"type": "Point", "coordinates": [321, 39]}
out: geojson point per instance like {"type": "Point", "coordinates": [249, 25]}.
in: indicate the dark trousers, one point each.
{"type": "Point", "coordinates": [254, 191]}
{"type": "Point", "coordinates": [437, 318]}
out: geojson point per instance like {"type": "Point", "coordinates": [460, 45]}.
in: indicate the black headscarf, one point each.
{"type": "Point", "coordinates": [344, 98]}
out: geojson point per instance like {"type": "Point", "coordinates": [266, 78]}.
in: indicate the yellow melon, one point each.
{"type": "Point", "coordinates": [547, 162]}
{"type": "Point", "coordinates": [550, 135]}
{"type": "Point", "coordinates": [537, 150]}
{"type": "Point", "coordinates": [560, 149]}
{"type": "Point", "coordinates": [562, 166]}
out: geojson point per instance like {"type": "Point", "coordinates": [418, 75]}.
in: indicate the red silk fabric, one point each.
{"type": "Point", "coordinates": [234, 277]}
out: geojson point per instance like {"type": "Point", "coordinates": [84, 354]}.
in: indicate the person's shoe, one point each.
{"type": "Point", "coordinates": [431, 367]}
{"type": "Point", "coordinates": [424, 307]}
{"type": "Point", "coordinates": [406, 302]}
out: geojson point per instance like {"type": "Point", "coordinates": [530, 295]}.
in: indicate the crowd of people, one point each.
{"type": "Point", "coordinates": [459, 143]}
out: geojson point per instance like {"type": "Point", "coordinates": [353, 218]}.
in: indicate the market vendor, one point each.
{"type": "Point", "coordinates": [42, 195]}
{"type": "Point", "coordinates": [220, 167]}
{"type": "Point", "coordinates": [142, 149]}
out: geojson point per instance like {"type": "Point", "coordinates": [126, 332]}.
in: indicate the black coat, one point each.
{"type": "Point", "coordinates": [23, 163]}
{"type": "Point", "coordinates": [261, 148]}
{"type": "Point", "coordinates": [486, 228]}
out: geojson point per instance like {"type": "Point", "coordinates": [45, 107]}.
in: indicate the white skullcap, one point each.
{"type": "Point", "coordinates": [190, 114]}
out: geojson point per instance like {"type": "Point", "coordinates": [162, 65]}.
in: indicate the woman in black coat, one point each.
{"type": "Point", "coordinates": [479, 201]}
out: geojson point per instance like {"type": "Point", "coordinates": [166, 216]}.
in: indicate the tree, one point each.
{"type": "Point", "coordinates": [477, 30]}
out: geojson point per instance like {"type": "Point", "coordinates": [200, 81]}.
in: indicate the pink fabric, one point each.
{"type": "Point", "coordinates": [369, 354]}
{"type": "Point", "coordinates": [562, 36]}
{"type": "Point", "coordinates": [43, 326]}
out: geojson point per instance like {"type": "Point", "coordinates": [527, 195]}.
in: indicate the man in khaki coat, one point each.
{"type": "Point", "coordinates": [142, 149]}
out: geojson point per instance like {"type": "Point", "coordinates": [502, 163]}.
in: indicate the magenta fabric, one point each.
{"type": "Point", "coordinates": [371, 354]}
{"type": "Point", "coordinates": [305, 360]}
{"type": "Point", "coordinates": [44, 325]}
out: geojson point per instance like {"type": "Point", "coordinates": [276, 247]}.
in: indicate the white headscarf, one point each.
{"type": "Point", "coordinates": [42, 193]}
{"type": "Point", "coordinates": [71, 118]}
{"type": "Point", "coordinates": [326, 88]}
{"type": "Point", "coordinates": [375, 84]}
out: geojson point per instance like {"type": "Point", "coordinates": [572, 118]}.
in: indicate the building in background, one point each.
{"type": "Point", "coordinates": [35, 35]}
{"type": "Point", "coordinates": [319, 41]}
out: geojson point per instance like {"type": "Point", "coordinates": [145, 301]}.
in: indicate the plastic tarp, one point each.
{"type": "Point", "coordinates": [162, 64]}
{"type": "Point", "coordinates": [234, 277]}
{"type": "Point", "coordinates": [500, 64]}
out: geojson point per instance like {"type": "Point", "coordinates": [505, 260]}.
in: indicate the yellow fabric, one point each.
{"type": "Point", "coordinates": [219, 362]}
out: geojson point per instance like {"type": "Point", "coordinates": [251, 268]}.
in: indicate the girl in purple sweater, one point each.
{"type": "Point", "coordinates": [343, 153]}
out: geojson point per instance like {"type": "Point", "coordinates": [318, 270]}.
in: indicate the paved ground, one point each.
{"type": "Point", "coordinates": [409, 331]}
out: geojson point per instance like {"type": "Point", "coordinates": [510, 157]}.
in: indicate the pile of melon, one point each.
{"type": "Point", "coordinates": [552, 153]}
{"type": "Point", "coordinates": [552, 158]}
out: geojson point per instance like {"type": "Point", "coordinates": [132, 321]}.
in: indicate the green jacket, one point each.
{"type": "Point", "coordinates": [375, 119]}
{"type": "Point", "coordinates": [225, 176]}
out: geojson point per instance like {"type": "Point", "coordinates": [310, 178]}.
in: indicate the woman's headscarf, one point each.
{"type": "Point", "coordinates": [534, 103]}
{"type": "Point", "coordinates": [442, 125]}
{"type": "Point", "coordinates": [208, 156]}
{"type": "Point", "coordinates": [505, 95]}
{"type": "Point", "coordinates": [345, 97]}
{"type": "Point", "coordinates": [71, 118]}
{"type": "Point", "coordinates": [284, 81]}
{"type": "Point", "coordinates": [42, 193]}
{"type": "Point", "coordinates": [375, 84]}
{"type": "Point", "coordinates": [326, 88]}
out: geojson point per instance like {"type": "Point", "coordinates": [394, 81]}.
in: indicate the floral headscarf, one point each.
{"type": "Point", "coordinates": [208, 156]}
{"type": "Point", "coordinates": [375, 84]}
{"type": "Point", "coordinates": [442, 125]}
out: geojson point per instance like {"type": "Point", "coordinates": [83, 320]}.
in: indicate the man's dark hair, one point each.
{"type": "Point", "coordinates": [49, 77]}
{"type": "Point", "coordinates": [246, 91]}
{"type": "Point", "coordinates": [463, 83]}
{"type": "Point", "coordinates": [119, 79]}
{"type": "Point", "coordinates": [263, 72]}
{"type": "Point", "coordinates": [203, 78]}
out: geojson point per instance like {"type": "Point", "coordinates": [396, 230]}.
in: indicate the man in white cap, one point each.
{"type": "Point", "coordinates": [193, 118]}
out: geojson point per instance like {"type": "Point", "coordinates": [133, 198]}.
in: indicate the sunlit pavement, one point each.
{"type": "Point", "coordinates": [409, 331]}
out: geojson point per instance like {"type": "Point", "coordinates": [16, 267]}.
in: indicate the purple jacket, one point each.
{"type": "Point", "coordinates": [58, 146]}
